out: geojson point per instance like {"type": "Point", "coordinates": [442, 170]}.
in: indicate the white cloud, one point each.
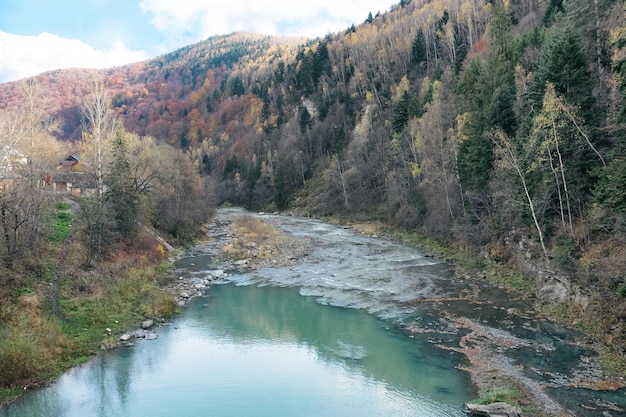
{"type": "Point", "coordinates": [182, 22]}
{"type": "Point", "coordinates": [25, 56]}
{"type": "Point", "coordinates": [193, 20]}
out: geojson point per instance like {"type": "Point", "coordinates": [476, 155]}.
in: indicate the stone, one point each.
{"type": "Point", "coordinates": [499, 409]}
{"type": "Point", "coordinates": [552, 292]}
{"type": "Point", "coordinates": [146, 324]}
{"type": "Point", "coordinates": [151, 336]}
{"type": "Point", "coordinates": [125, 337]}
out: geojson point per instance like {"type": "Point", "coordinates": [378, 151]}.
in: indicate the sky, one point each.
{"type": "Point", "coordinates": [42, 35]}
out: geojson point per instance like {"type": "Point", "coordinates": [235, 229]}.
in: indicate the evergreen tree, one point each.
{"type": "Point", "coordinates": [564, 64]}
{"type": "Point", "coordinates": [121, 195]}
{"type": "Point", "coordinates": [475, 163]}
{"type": "Point", "coordinates": [418, 48]}
{"type": "Point", "coordinates": [231, 166]}
{"type": "Point", "coordinates": [501, 114]}
{"type": "Point", "coordinates": [304, 72]}
{"type": "Point", "coordinates": [305, 120]}
{"type": "Point", "coordinates": [320, 61]}
{"type": "Point", "coordinates": [401, 112]}
{"type": "Point", "coordinates": [610, 191]}
{"type": "Point", "coordinates": [236, 87]}
{"type": "Point", "coordinates": [489, 87]}
{"type": "Point", "coordinates": [501, 60]}
{"type": "Point", "coordinates": [280, 188]}
{"type": "Point", "coordinates": [554, 8]}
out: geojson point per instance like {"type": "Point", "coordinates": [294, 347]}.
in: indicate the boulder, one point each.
{"type": "Point", "coordinates": [553, 292]}
{"type": "Point", "coordinates": [217, 273]}
{"type": "Point", "coordinates": [146, 324]}
{"type": "Point", "coordinates": [499, 409]}
{"type": "Point", "coordinates": [125, 337]}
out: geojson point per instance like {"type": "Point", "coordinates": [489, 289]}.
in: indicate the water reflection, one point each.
{"type": "Point", "coordinates": [351, 338]}
{"type": "Point", "coordinates": [262, 351]}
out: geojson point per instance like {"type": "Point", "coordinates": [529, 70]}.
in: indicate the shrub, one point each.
{"type": "Point", "coordinates": [21, 357]}
{"type": "Point", "coordinates": [566, 252]}
{"type": "Point", "coordinates": [162, 304]}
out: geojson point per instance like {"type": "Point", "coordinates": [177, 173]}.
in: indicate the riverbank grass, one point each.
{"type": "Point", "coordinates": [594, 324]}
{"type": "Point", "coordinates": [113, 307]}
{"type": "Point", "coordinates": [501, 394]}
{"type": "Point", "coordinates": [95, 305]}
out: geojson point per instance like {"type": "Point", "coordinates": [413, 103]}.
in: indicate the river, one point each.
{"type": "Point", "coordinates": [360, 327]}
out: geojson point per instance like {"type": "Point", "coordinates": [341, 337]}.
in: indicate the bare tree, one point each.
{"type": "Point", "coordinates": [555, 129]}
{"type": "Point", "coordinates": [28, 133]}
{"type": "Point", "coordinates": [508, 157]}
{"type": "Point", "coordinates": [100, 125]}
{"type": "Point", "coordinates": [21, 209]}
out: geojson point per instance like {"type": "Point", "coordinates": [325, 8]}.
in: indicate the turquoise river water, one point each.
{"type": "Point", "coordinates": [260, 351]}
{"type": "Point", "coordinates": [324, 337]}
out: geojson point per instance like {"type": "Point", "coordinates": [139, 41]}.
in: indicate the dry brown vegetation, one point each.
{"type": "Point", "coordinates": [254, 238]}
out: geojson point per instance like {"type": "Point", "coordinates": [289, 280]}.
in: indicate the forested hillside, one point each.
{"type": "Point", "coordinates": [496, 125]}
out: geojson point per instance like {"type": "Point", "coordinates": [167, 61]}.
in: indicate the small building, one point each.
{"type": "Point", "coordinates": [71, 163]}
{"type": "Point", "coordinates": [74, 183]}
{"type": "Point", "coordinates": [71, 179]}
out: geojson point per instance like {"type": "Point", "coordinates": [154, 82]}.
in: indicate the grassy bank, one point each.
{"type": "Point", "coordinates": [95, 302]}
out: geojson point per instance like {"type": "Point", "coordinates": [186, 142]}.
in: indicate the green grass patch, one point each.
{"type": "Point", "coordinates": [8, 394]}
{"type": "Point", "coordinates": [442, 250]}
{"type": "Point", "coordinates": [60, 223]}
{"type": "Point", "coordinates": [121, 302]}
{"type": "Point", "coordinates": [123, 290]}
{"type": "Point", "coordinates": [510, 278]}
{"type": "Point", "coordinates": [501, 394]}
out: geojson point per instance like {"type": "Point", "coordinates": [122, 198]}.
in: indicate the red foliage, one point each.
{"type": "Point", "coordinates": [142, 250]}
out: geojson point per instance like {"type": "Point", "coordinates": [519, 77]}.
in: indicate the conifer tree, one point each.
{"type": "Point", "coordinates": [489, 86]}
{"type": "Point", "coordinates": [121, 193]}
{"type": "Point", "coordinates": [418, 48]}
{"type": "Point", "coordinates": [564, 64]}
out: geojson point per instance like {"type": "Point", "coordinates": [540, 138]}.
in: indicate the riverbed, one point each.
{"type": "Point", "coordinates": [354, 325]}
